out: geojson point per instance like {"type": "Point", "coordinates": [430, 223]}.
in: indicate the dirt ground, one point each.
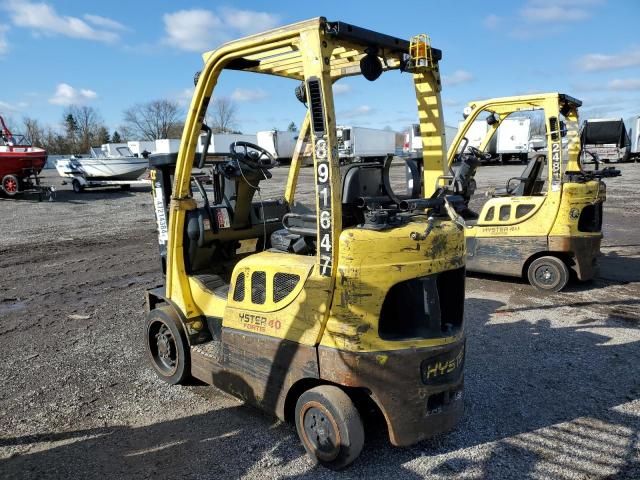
{"type": "Point", "coordinates": [552, 389]}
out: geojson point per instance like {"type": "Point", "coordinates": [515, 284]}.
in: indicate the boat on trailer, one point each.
{"type": "Point", "coordinates": [20, 163]}
{"type": "Point", "coordinates": [101, 168]}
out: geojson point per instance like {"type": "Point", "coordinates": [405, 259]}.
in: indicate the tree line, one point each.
{"type": "Point", "coordinates": [82, 127]}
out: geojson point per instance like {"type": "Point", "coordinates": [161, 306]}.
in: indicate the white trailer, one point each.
{"type": "Point", "coordinates": [220, 142]}
{"type": "Point", "coordinates": [413, 141]}
{"type": "Point", "coordinates": [513, 139]}
{"type": "Point", "coordinates": [361, 144]}
{"type": "Point", "coordinates": [279, 143]}
{"type": "Point", "coordinates": [477, 133]}
{"type": "Point", "coordinates": [167, 145]}
{"type": "Point", "coordinates": [633, 124]}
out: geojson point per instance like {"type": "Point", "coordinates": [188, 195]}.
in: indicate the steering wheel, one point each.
{"type": "Point", "coordinates": [595, 159]}
{"type": "Point", "coordinates": [252, 155]}
{"type": "Point", "coordinates": [476, 152]}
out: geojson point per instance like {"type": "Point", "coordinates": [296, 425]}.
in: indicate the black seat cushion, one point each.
{"type": "Point", "coordinates": [213, 284]}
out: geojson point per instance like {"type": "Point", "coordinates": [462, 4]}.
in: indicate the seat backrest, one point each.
{"type": "Point", "coordinates": [530, 177]}
{"type": "Point", "coordinates": [362, 180]}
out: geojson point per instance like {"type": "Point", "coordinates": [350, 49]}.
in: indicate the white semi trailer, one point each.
{"type": "Point", "coordinates": [513, 139]}
{"type": "Point", "coordinates": [362, 144]}
{"type": "Point", "coordinates": [279, 143]}
{"type": "Point", "coordinates": [633, 124]}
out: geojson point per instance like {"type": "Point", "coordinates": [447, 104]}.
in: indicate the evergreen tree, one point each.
{"type": "Point", "coordinates": [115, 138]}
{"type": "Point", "coordinates": [103, 135]}
{"type": "Point", "coordinates": [292, 127]}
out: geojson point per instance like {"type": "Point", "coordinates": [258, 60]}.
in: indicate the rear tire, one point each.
{"type": "Point", "coordinates": [10, 185]}
{"type": "Point", "coordinates": [329, 426]}
{"type": "Point", "coordinates": [167, 347]}
{"type": "Point", "coordinates": [77, 186]}
{"type": "Point", "coordinates": [548, 273]}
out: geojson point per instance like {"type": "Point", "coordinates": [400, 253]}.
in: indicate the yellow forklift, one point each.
{"type": "Point", "coordinates": [545, 221]}
{"type": "Point", "coordinates": [356, 303]}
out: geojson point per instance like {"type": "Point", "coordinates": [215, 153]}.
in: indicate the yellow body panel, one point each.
{"type": "Point", "coordinates": [371, 262]}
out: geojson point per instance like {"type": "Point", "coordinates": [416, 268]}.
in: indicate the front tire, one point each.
{"type": "Point", "coordinates": [167, 347]}
{"type": "Point", "coordinates": [329, 426]}
{"type": "Point", "coordinates": [548, 273]}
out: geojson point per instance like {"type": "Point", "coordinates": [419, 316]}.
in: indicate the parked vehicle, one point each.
{"type": "Point", "coordinates": [20, 162]}
{"type": "Point", "coordinates": [279, 143]}
{"type": "Point", "coordinates": [412, 146]}
{"type": "Point", "coordinates": [513, 139]}
{"type": "Point", "coordinates": [633, 124]}
{"type": "Point", "coordinates": [100, 168]}
{"type": "Point", "coordinates": [360, 143]}
{"type": "Point", "coordinates": [607, 138]}
{"type": "Point", "coordinates": [476, 134]}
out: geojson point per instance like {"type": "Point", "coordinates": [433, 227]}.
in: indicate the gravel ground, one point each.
{"type": "Point", "coordinates": [551, 383]}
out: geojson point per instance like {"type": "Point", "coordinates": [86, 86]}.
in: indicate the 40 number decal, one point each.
{"type": "Point", "coordinates": [323, 188]}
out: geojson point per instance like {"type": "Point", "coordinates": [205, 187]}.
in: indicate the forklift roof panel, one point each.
{"type": "Point", "coordinates": [277, 51]}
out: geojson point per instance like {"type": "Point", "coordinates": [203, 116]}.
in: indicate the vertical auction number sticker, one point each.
{"type": "Point", "coordinates": [323, 189]}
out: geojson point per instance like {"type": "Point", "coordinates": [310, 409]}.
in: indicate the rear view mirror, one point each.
{"type": "Point", "coordinates": [492, 119]}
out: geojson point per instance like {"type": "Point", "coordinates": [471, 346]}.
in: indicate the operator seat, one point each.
{"type": "Point", "coordinates": [530, 181]}
{"type": "Point", "coordinates": [358, 180]}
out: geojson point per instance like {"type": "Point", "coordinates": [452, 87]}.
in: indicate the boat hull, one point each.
{"type": "Point", "coordinates": [126, 168]}
{"type": "Point", "coordinates": [21, 161]}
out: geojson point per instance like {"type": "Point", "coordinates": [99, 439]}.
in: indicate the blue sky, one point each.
{"type": "Point", "coordinates": [113, 54]}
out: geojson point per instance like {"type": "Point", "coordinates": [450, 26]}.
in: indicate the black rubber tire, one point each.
{"type": "Point", "coordinates": [77, 186]}
{"type": "Point", "coordinates": [548, 273]}
{"type": "Point", "coordinates": [125, 188]}
{"type": "Point", "coordinates": [164, 323]}
{"type": "Point", "coordinates": [10, 185]}
{"type": "Point", "coordinates": [331, 408]}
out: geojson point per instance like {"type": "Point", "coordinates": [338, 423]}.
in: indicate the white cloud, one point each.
{"type": "Point", "coordinates": [560, 11]}
{"type": "Point", "coordinates": [626, 84]}
{"type": "Point", "coordinates": [599, 61]}
{"type": "Point", "coordinates": [200, 30]}
{"type": "Point", "coordinates": [184, 97]}
{"type": "Point", "coordinates": [359, 111]}
{"type": "Point", "coordinates": [248, 95]}
{"type": "Point", "coordinates": [67, 95]}
{"type": "Point", "coordinates": [492, 21]}
{"type": "Point", "coordinates": [4, 44]}
{"type": "Point", "coordinates": [105, 22]}
{"type": "Point", "coordinates": [341, 88]}
{"type": "Point", "coordinates": [43, 19]}
{"type": "Point", "coordinates": [457, 78]}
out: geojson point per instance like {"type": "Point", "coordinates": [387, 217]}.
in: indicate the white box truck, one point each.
{"type": "Point", "coordinates": [476, 134]}
{"type": "Point", "coordinates": [513, 139]}
{"type": "Point", "coordinates": [279, 143]}
{"type": "Point", "coordinates": [362, 144]}
{"type": "Point", "coordinates": [220, 142]}
{"type": "Point", "coordinates": [413, 141]}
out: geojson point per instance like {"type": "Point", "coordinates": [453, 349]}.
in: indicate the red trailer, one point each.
{"type": "Point", "coordinates": [20, 163]}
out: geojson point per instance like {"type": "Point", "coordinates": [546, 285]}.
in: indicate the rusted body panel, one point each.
{"type": "Point", "coordinates": [255, 368]}
{"type": "Point", "coordinates": [502, 255]}
{"type": "Point", "coordinates": [419, 391]}
{"type": "Point", "coordinates": [584, 252]}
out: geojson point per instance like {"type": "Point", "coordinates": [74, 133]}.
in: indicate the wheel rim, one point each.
{"type": "Point", "coordinates": [10, 185]}
{"type": "Point", "coordinates": [320, 431]}
{"type": "Point", "coordinates": [547, 275]}
{"type": "Point", "coordinates": [163, 348]}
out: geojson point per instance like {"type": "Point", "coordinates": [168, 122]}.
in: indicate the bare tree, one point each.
{"type": "Point", "coordinates": [88, 123]}
{"type": "Point", "coordinates": [222, 115]}
{"type": "Point", "coordinates": [33, 132]}
{"type": "Point", "coordinates": [152, 120]}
